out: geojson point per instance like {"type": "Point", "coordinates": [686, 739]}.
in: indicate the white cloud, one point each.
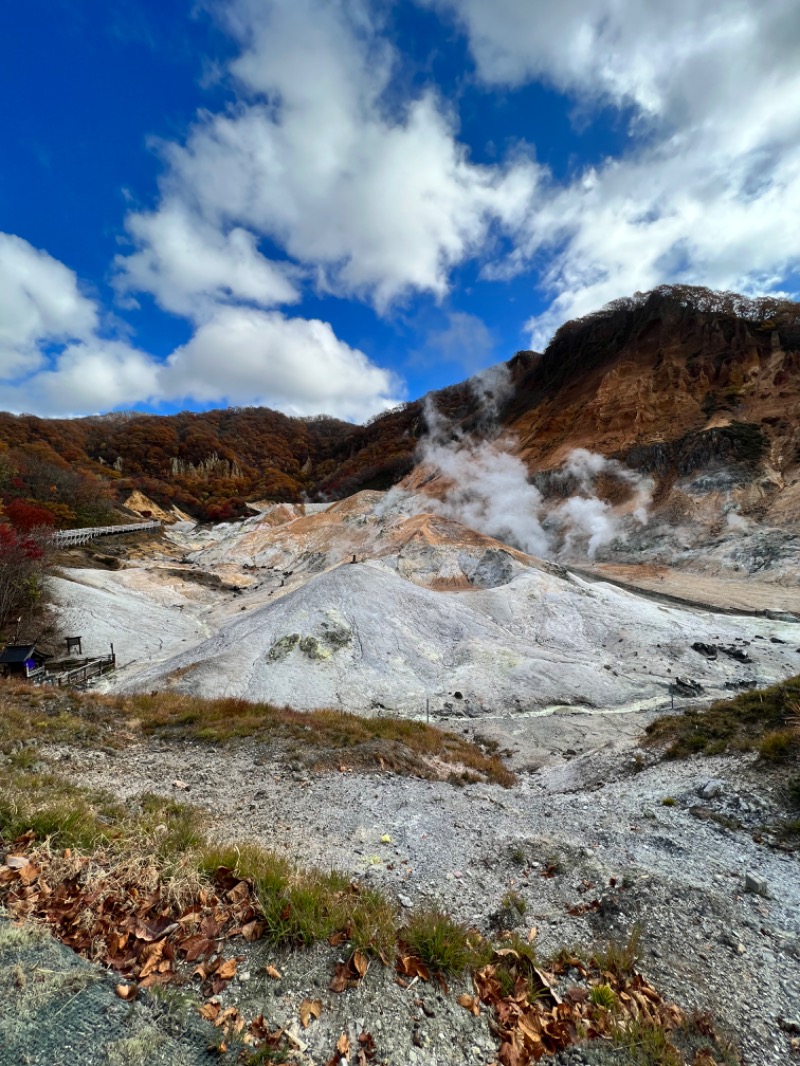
{"type": "Point", "coordinates": [40, 303]}
{"type": "Point", "coordinates": [186, 263]}
{"type": "Point", "coordinates": [55, 361]}
{"type": "Point", "coordinates": [378, 200]}
{"type": "Point", "coordinates": [649, 220]}
{"type": "Point", "coordinates": [663, 58]}
{"type": "Point", "coordinates": [297, 365]}
{"type": "Point", "coordinates": [87, 378]}
{"type": "Point", "coordinates": [707, 190]}
{"type": "Point", "coordinates": [365, 198]}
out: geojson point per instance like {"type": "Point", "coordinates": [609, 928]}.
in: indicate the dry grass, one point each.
{"type": "Point", "coordinates": [51, 716]}
{"type": "Point", "coordinates": [320, 740]}
{"type": "Point", "coordinates": [87, 820]}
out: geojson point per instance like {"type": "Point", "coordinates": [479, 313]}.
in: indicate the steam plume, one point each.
{"type": "Point", "coordinates": [483, 485]}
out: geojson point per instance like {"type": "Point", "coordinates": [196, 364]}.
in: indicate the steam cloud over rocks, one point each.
{"type": "Point", "coordinates": [482, 484]}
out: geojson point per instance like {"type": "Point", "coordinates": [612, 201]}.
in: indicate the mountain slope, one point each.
{"type": "Point", "coordinates": [676, 384]}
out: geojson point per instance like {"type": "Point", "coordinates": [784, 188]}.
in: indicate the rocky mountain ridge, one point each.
{"type": "Point", "coordinates": [699, 391]}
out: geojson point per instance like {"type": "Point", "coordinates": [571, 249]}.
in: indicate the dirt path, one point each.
{"type": "Point", "coordinates": [698, 590]}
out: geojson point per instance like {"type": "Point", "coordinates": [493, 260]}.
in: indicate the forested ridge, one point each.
{"type": "Point", "coordinates": [71, 472]}
{"type": "Point", "coordinates": [74, 472]}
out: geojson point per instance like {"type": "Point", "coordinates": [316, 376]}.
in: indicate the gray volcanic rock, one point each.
{"type": "Point", "coordinates": [362, 637]}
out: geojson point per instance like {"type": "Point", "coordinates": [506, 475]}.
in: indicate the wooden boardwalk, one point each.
{"type": "Point", "coordinates": [66, 538]}
{"type": "Point", "coordinates": [77, 675]}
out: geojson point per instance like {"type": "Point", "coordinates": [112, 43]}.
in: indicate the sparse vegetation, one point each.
{"type": "Point", "coordinates": [150, 863]}
{"type": "Point", "coordinates": [780, 744]}
{"type": "Point", "coordinates": [766, 721]}
{"type": "Point", "coordinates": [620, 957]}
{"type": "Point", "coordinates": [603, 995]}
{"type": "Point", "coordinates": [513, 901]}
{"type": "Point", "coordinates": [443, 945]}
{"type": "Point", "coordinates": [739, 724]}
{"type": "Point", "coordinates": [302, 906]}
{"type": "Point", "coordinates": [319, 740]}
{"type": "Point", "coordinates": [66, 816]}
{"type": "Point", "coordinates": [645, 1044]}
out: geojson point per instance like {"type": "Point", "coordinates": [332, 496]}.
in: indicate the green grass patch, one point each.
{"type": "Point", "coordinates": [738, 724]}
{"type": "Point", "coordinates": [619, 957]}
{"type": "Point", "coordinates": [766, 721]}
{"type": "Point", "coordinates": [445, 946]}
{"type": "Point", "coordinates": [645, 1044]}
{"type": "Point", "coordinates": [85, 819]}
{"type": "Point", "coordinates": [604, 996]}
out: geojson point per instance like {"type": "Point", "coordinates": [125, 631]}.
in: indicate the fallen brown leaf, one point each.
{"type": "Point", "coordinates": [227, 970]}
{"type": "Point", "coordinates": [210, 1011]}
{"type": "Point", "coordinates": [252, 931]}
{"type": "Point", "coordinates": [470, 1003]}
{"type": "Point", "coordinates": [310, 1008]}
{"type": "Point", "coordinates": [340, 981]}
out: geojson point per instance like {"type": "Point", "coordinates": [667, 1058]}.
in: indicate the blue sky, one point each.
{"type": "Point", "coordinates": [334, 206]}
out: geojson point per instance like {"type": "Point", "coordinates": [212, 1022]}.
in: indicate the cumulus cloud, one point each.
{"type": "Point", "coordinates": [188, 264]}
{"type": "Point", "coordinates": [55, 360]}
{"type": "Point", "coordinates": [86, 378]}
{"type": "Point", "coordinates": [707, 190]}
{"type": "Point", "coordinates": [378, 198]}
{"type": "Point", "coordinates": [365, 196]}
{"type": "Point", "coordinates": [40, 303]}
{"type": "Point", "coordinates": [297, 365]}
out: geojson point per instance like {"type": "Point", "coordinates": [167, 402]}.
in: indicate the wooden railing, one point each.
{"type": "Point", "coordinates": [66, 538]}
{"type": "Point", "coordinates": [78, 675]}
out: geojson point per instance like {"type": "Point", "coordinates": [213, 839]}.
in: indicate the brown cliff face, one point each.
{"type": "Point", "coordinates": [676, 383]}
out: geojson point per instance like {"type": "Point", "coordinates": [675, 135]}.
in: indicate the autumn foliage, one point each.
{"type": "Point", "coordinates": [210, 464]}
{"type": "Point", "coordinates": [23, 562]}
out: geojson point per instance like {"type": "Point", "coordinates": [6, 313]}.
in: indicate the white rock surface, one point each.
{"type": "Point", "coordinates": [145, 617]}
{"type": "Point", "coordinates": [360, 637]}
{"type": "Point", "coordinates": [273, 609]}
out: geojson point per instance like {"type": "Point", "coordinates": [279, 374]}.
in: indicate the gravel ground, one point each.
{"type": "Point", "coordinates": [595, 816]}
